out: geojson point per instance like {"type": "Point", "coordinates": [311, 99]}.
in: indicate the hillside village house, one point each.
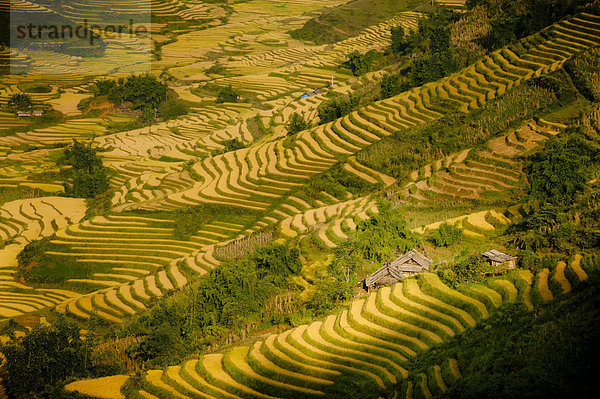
{"type": "Point", "coordinates": [500, 261]}
{"type": "Point", "coordinates": [409, 264]}
{"type": "Point", "coordinates": [28, 114]}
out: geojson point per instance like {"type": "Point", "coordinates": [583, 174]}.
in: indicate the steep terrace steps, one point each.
{"type": "Point", "coordinates": [306, 361]}
{"type": "Point", "coordinates": [470, 175]}
{"type": "Point", "coordinates": [503, 70]}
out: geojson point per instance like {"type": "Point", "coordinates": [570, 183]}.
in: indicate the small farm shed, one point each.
{"type": "Point", "coordinates": [311, 93]}
{"type": "Point", "coordinates": [500, 260]}
{"type": "Point", "coordinates": [409, 264]}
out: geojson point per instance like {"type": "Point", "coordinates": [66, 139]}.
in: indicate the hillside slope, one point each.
{"type": "Point", "coordinates": [368, 350]}
{"type": "Point", "coordinates": [349, 19]}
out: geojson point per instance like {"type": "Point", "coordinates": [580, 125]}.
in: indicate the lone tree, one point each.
{"type": "Point", "coordinates": [227, 95]}
{"type": "Point", "coordinates": [296, 124]}
{"type": "Point", "coordinates": [87, 177]}
{"type": "Point", "coordinates": [20, 101]}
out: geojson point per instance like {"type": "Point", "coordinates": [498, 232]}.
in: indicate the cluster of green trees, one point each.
{"type": "Point", "coordinates": [146, 93]}
{"type": "Point", "coordinates": [141, 90]}
{"type": "Point", "coordinates": [226, 298]}
{"type": "Point", "coordinates": [337, 107]}
{"type": "Point", "coordinates": [87, 176]}
{"type": "Point", "coordinates": [172, 107]}
{"type": "Point", "coordinates": [445, 235]}
{"type": "Point", "coordinates": [566, 215]}
{"type": "Point", "coordinates": [20, 101]}
{"type": "Point", "coordinates": [384, 235]}
{"type": "Point", "coordinates": [392, 84]}
{"type": "Point", "coordinates": [47, 356]}
{"type": "Point", "coordinates": [429, 45]}
{"type": "Point", "coordinates": [560, 172]}
{"type": "Point", "coordinates": [468, 269]}
{"type": "Point", "coordinates": [359, 63]}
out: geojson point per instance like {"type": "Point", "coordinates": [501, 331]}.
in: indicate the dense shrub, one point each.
{"type": "Point", "coordinates": [393, 84]}
{"type": "Point", "coordinates": [359, 63]}
{"type": "Point", "coordinates": [430, 43]}
{"type": "Point", "coordinates": [471, 269]}
{"type": "Point", "coordinates": [34, 267]}
{"type": "Point", "coordinates": [327, 294]}
{"type": "Point", "coordinates": [337, 182]}
{"type": "Point", "coordinates": [399, 45]}
{"type": "Point", "coordinates": [172, 107]}
{"type": "Point", "coordinates": [383, 235]}
{"type": "Point", "coordinates": [104, 87]}
{"type": "Point", "coordinates": [188, 221]}
{"type": "Point", "coordinates": [229, 145]}
{"type": "Point", "coordinates": [445, 235]}
{"type": "Point", "coordinates": [584, 71]}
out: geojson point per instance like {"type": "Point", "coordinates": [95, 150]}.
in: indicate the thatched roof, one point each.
{"type": "Point", "coordinates": [399, 267]}
{"type": "Point", "coordinates": [497, 256]}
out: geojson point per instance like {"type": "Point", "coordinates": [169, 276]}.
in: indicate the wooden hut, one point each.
{"type": "Point", "coordinates": [499, 260]}
{"type": "Point", "coordinates": [409, 264]}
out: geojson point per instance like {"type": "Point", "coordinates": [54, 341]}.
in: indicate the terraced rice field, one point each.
{"type": "Point", "coordinates": [475, 224]}
{"type": "Point", "coordinates": [308, 65]}
{"type": "Point", "coordinates": [104, 387]}
{"type": "Point", "coordinates": [469, 176]}
{"type": "Point", "coordinates": [21, 222]}
{"type": "Point", "coordinates": [317, 149]}
{"type": "Point", "coordinates": [136, 259]}
{"type": "Point", "coordinates": [133, 260]}
{"type": "Point", "coordinates": [371, 340]}
{"type": "Point", "coordinates": [63, 133]}
{"type": "Point", "coordinates": [330, 223]}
